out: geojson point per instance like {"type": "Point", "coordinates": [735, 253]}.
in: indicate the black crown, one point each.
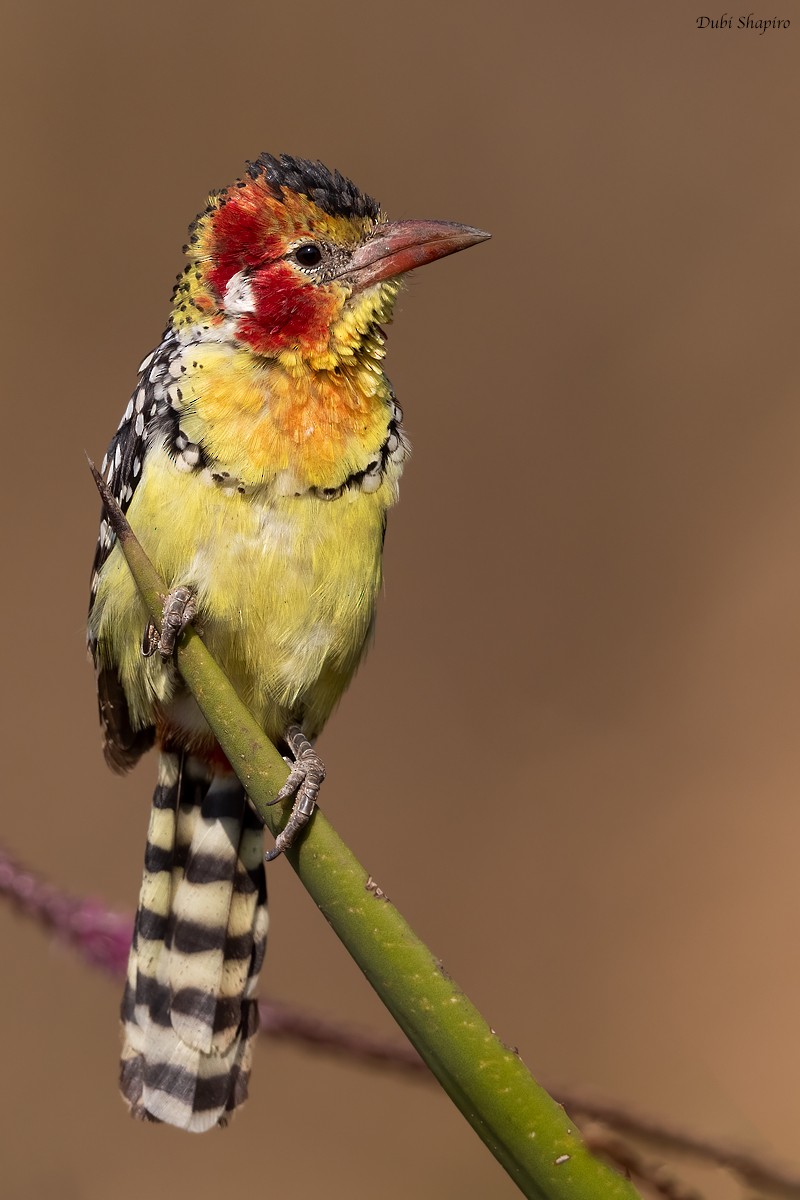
{"type": "Point", "coordinates": [332, 192]}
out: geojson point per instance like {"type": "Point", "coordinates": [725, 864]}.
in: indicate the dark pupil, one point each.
{"type": "Point", "coordinates": [308, 256]}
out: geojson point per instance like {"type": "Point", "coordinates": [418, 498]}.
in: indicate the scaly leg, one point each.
{"type": "Point", "coordinates": [180, 609]}
{"type": "Point", "coordinates": [304, 782]}
{"type": "Point", "coordinates": [308, 769]}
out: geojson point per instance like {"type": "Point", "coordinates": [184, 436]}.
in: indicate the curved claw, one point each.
{"type": "Point", "coordinates": [180, 609]}
{"type": "Point", "coordinates": [305, 780]}
{"type": "Point", "coordinates": [150, 640]}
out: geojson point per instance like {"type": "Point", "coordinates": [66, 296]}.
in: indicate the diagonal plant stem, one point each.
{"type": "Point", "coordinates": [526, 1130]}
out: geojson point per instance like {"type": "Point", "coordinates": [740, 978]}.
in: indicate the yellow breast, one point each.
{"type": "Point", "coordinates": [286, 585]}
{"type": "Point", "coordinates": [284, 559]}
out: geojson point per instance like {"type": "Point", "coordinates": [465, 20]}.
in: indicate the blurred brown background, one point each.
{"type": "Point", "coordinates": [592, 580]}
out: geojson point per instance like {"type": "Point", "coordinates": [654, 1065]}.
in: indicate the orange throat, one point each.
{"type": "Point", "coordinates": [260, 419]}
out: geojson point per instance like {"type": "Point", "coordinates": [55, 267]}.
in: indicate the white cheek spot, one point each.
{"type": "Point", "coordinates": [239, 296]}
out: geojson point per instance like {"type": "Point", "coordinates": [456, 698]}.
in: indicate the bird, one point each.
{"type": "Point", "coordinates": [256, 461]}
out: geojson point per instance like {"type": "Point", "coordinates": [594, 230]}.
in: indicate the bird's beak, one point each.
{"type": "Point", "coordinates": [400, 246]}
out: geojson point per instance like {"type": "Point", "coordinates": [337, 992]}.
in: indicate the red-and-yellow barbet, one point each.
{"type": "Point", "coordinates": [257, 460]}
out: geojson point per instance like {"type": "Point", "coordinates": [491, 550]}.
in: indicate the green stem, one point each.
{"type": "Point", "coordinates": [528, 1133]}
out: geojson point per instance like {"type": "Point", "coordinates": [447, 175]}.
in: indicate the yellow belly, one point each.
{"type": "Point", "coordinates": [286, 587]}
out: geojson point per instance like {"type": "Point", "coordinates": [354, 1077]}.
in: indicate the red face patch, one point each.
{"type": "Point", "coordinates": [241, 239]}
{"type": "Point", "coordinates": [289, 311]}
{"type": "Point", "coordinates": [252, 231]}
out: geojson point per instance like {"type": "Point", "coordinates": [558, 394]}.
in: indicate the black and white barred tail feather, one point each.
{"type": "Point", "coordinates": [189, 1013]}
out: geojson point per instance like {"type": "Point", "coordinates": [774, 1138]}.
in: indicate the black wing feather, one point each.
{"type": "Point", "coordinates": [149, 411]}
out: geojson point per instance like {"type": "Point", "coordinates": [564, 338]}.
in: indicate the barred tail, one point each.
{"type": "Point", "coordinates": [189, 1014]}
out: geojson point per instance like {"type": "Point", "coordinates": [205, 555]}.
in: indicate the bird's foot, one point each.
{"type": "Point", "coordinates": [304, 782]}
{"type": "Point", "coordinates": [180, 609]}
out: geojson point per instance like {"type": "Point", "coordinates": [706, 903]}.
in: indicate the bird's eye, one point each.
{"type": "Point", "coordinates": [308, 255]}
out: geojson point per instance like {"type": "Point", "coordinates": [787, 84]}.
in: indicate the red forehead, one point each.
{"type": "Point", "coordinates": [243, 235]}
